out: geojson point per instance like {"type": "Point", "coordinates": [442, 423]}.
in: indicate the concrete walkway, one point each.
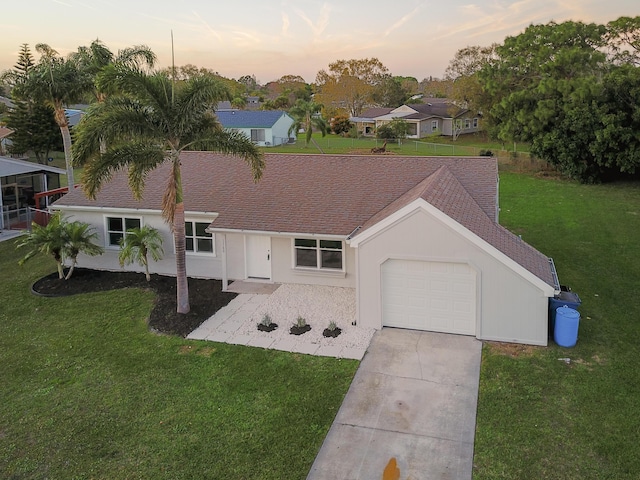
{"type": "Point", "coordinates": [414, 399]}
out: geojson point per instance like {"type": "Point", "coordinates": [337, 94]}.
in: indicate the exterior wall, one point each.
{"type": "Point", "coordinates": [198, 265]}
{"type": "Point", "coordinates": [509, 307]}
{"type": "Point", "coordinates": [268, 135]}
{"type": "Point", "coordinates": [280, 130]}
{"type": "Point", "coordinates": [283, 271]}
{"type": "Point", "coordinates": [207, 265]}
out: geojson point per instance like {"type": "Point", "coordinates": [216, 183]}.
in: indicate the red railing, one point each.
{"type": "Point", "coordinates": [43, 200]}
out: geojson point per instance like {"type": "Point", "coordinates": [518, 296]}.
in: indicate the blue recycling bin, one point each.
{"type": "Point", "coordinates": [565, 332]}
{"type": "Point", "coordinates": [565, 298]}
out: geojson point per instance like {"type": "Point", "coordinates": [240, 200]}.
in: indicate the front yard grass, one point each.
{"type": "Point", "coordinates": [87, 391]}
{"type": "Point", "coordinates": [541, 416]}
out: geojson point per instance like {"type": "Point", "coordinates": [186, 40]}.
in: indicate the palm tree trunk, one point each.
{"type": "Point", "coordinates": [181, 262]}
{"type": "Point", "coordinates": [70, 272]}
{"type": "Point", "coordinates": [63, 123]}
{"type": "Point", "coordinates": [146, 269]}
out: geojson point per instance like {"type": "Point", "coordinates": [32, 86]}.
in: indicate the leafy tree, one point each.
{"type": "Point", "coordinates": [623, 39]}
{"type": "Point", "coordinates": [397, 129]}
{"type": "Point", "coordinates": [35, 130]}
{"type": "Point", "coordinates": [239, 102]}
{"type": "Point", "coordinates": [617, 136]}
{"type": "Point", "coordinates": [463, 72]}
{"type": "Point", "coordinates": [542, 84]}
{"type": "Point", "coordinates": [61, 240]}
{"type": "Point", "coordinates": [385, 131]}
{"type": "Point", "coordinates": [390, 92]}
{"type": "Point", "coordinates": [306, 115]}
{"type": "Point", "coordinates": [138, 244]}
{"type": "Point", "coordinates": [340, 124]}
{"type": "Point", "coordinates": [348, 85]}
{"type": "Point", "coordinates": [33, 123]}
{"type": "Point", "coordinates": [151, 123]}
{"type": "Point", "coordinates": [400, 128]}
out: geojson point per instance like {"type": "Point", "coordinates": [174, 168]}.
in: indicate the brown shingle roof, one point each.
{"type": "Point", "coordinates": [328, 194]}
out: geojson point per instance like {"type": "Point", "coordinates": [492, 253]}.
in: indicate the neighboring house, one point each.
{"type": "Point", "coordinates": [264, 127]}
{"type": "Point", "coordinates": [21, 181]}
{"type": "Point", "coordinates": [436, 117]}
{"type": "Point", "coordinates": [417, 237]}
{"type": "Point", "coordinates": [73, 116]}
{"type": "Point", "coordinates": [5, 142]}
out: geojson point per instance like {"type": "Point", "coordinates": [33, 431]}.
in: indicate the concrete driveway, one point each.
{"type": "Point", "coordinates": [414, 399]}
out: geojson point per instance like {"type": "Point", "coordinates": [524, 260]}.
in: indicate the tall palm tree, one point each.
{"type": "Point", "coordinates": [306, 115]}
{"type": "Point", "coordinates": [58, 82]}
{"type": "Point", "coordinates": [152, 122]}
{"type": "Point", "coordinates": [138, 244]}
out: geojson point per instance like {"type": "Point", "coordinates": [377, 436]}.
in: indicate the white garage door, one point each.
{"type": "Point", "coordinates": [434, 296]}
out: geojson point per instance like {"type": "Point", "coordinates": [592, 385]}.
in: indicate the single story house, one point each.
{"type": "Point", "coordinates": [436, 117]}
{"type": "Point", "coordinates": [264, 127]}
{"type": "Point", "coordinates": [417, 237]}
{"type": "Point", "coordinates": [20, 181]}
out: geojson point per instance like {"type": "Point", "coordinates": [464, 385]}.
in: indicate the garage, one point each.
{"type": "Point", "coordinates": [433, 296]}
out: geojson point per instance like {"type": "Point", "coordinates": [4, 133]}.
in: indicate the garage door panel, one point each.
{"type": "Point", "coordinates": [434, 296]}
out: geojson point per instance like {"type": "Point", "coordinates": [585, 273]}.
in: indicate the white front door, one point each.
{"type": "Point", "coordinates": [258, 249]}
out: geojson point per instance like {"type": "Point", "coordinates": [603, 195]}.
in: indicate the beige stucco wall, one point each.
{"type": "Point", "coordinates": [198, 265]}
{"type": "Point", "coordinates": [283, 271]}
{"type": "Point", "coordinates": [509, 307]}
{"type": "Point", "coordinates": [206, 265]}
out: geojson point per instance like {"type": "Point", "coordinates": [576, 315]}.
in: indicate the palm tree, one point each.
{"type": "Point", "coordinates": [152, 122]}
{"type": "Point", "coordinates": [61, 240]}
{"type": "Point", "coordinates": [138, 244]}
{"type": "Point", "coordinates": [57, 82]}
{"type": "Point", "coordinates": [79, 238]}
{"type": "Point", "coordinates": [306, 115]}
{"type": "Point", "coordinates": [49, 240]}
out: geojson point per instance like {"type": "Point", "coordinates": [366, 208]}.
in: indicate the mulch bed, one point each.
{"type": "Point", "coordinates": [205, 296]}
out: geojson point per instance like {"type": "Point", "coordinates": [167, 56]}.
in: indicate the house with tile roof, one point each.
{"type": "Point", "coordinates": [436, 117]}
{"type": "Point", "coordinates": [265, 128]}
{"type": "Point", "coordinates": [418, 238]}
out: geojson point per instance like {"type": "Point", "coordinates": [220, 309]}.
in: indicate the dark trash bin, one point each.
{"type": "Point", "coordinates": [565, 298]}
{"type": "Point", "coordinates": [565, 332]}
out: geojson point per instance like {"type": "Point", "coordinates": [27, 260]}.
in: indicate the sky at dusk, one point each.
{"type": "Point", "coordinates": [270, 39]}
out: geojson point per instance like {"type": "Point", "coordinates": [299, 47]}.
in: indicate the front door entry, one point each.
{"type": "Point", "coordinates": [258, 256]}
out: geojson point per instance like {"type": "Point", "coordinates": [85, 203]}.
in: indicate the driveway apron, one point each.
{"type": "Point", "coordinates": [413, 399]}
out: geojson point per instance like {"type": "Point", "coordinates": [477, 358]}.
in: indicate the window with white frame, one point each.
{"type": "Point", "coordinates": [257, 134]}
{"type": "Point", "coordinates": [197, 239]}
{"type": "Point", "coordinates": [117, 228]}
{"type": "Point", "coordinates": [475, 123]}
{"type": "Point", "coordinates": [318, 254]}
{"type": "Point", "coordinates": [434, 125]}
{"type": "Point", "coordinates": [467, 123]}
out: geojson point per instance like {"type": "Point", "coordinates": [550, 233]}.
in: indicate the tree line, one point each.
{"type": "Point", "coordinates": [571, 90]}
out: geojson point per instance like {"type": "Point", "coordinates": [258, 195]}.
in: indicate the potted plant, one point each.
{"type": "Point", "coordinates": [266, 324]}
{"type": "Point", "coordinates": [300, 326]}
{"type": "Point", "coordinates": [332, 330]}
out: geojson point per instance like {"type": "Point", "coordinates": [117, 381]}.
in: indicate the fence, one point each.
{"type": "Point", "coordinates": [21, 218]}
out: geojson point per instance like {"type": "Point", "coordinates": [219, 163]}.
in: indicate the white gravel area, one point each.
{"type": "Point", "coordinates": [318, 305]}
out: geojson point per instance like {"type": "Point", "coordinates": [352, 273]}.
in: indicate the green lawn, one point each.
{"type": "Point", "coordinates": [470, 145]}
{"type": "Point", "coordinates": [88, 392]}
{"type": "Point", "coordinates": [539, 417]}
